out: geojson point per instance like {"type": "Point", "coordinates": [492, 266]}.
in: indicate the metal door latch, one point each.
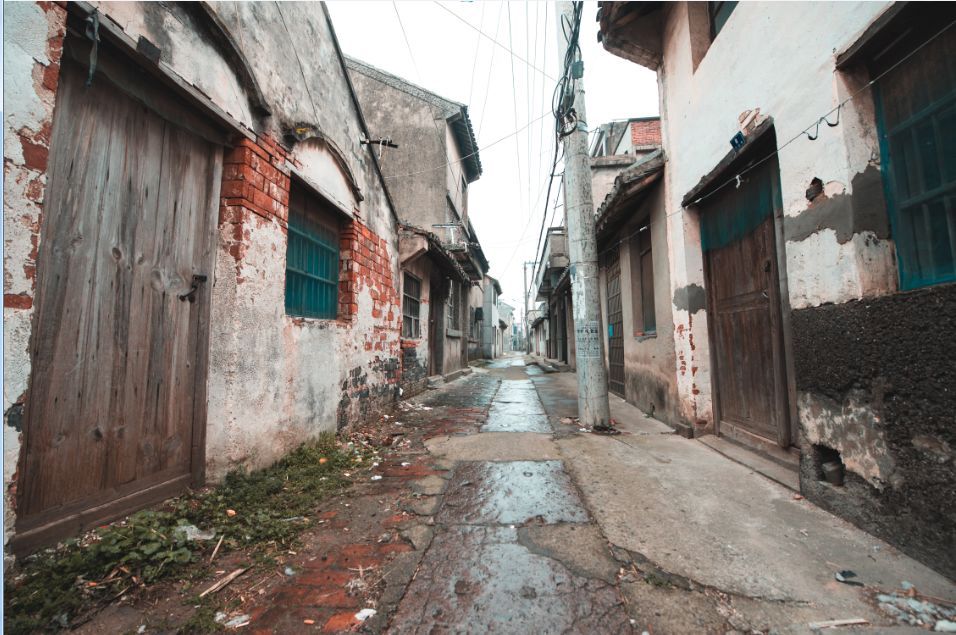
{"type": "Point", "coordinates": [191, 294]}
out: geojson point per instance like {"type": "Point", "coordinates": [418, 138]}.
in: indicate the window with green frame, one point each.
{"type": "Point", "coordinates": [719, 12]}
{"type": "Point", "coordinates": [312, 257]}
{"type": "Point", "coordinates": [916, 118]}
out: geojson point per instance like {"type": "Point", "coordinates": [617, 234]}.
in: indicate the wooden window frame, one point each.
{"type": "Point", "coordinates": [313, 233]}
{"type": "Point", "coordinates": [642, 295]}
{"type": "Point", "coordinates": [453, 307]}
{"type": "Point", "coordinates": [411, 320]}
{"type": "Point", "coordinates": [901, 147]}
{"type": "Point", "coordinates": [714, 14]}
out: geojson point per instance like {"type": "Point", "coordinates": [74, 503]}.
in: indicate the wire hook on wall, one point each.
{"type": "Point", "coordinates": [823, 119]}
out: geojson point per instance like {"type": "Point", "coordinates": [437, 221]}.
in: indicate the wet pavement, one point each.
{"type": "Point", "coordinates": [493, 513]}
{"type": "Point", "coordinates": [483, 572]}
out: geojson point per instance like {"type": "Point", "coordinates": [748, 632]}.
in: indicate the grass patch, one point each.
{"type": "Point", "coordinates": [264, 511]}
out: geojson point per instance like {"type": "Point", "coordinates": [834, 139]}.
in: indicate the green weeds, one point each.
{"type": "Point", "coordinates": [263, 511]}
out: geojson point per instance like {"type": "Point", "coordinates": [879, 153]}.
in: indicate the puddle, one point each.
{"type": "Point", "coordinates": [478, 579]}
{"type": "Point", "coordinates": [511, 493]}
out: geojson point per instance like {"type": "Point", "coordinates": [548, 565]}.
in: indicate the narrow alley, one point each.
{"type": "Point", "coordinates": [503, 516]}
{"type": "Point", "coordinates": [367, 317]}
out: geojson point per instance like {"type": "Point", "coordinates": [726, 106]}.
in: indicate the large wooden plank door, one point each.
{"type": "Point", "coordinates": [738, 237]}
{"type": "Point", "coordinates": [117, 387]}
{"type": "Point", "coordinates": [615, 324]}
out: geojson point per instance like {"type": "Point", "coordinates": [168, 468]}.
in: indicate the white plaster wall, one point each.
{"type": "Point", "coordinates": [757, 62]}
{"type": "Point", "coordinates": [454, 174]}
{"type": "Point", "coordinates": [183, 49]}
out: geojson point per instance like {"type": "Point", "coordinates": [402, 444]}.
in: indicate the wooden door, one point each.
{"type": "Point", "coordinates": [116, 403]}
{"type": "Point", "coordinates": [738, 237]}
{"type": "Point", "coordinates": [436, 323]}
{"type": "Point", "coordinates": [615, 324]}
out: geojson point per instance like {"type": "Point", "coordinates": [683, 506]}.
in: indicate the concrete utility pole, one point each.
{"type": "Point", "coordinates": [527, 323]}
{"type": "Point", "coordinates": [593, 407]}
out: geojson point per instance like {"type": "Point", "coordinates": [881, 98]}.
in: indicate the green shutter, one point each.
{"type": "Point", "coordinates": [312, 267]}
{"type": "Point", "coordinates": [916, 115]}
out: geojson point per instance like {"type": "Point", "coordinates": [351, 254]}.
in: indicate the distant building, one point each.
{"type": "Point", "coordinates": [428, 174]}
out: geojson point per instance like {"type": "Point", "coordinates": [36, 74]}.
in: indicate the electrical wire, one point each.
{"type": "Point", "coordinates": [474, 66]}
{"type": "Point", "coordinates": [510, 52]}
{"type": "Point", "coordinates": [822, 119]}
{"type": "Point", "coordinates": [514, 100]}
{"type": "Point", "coordinates": [806, 131]}
{"type": "Point", "coordinates": [491, 66]}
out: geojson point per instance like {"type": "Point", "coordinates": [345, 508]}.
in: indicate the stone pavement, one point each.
{"type": "Point", "coordinates": [500, 518]}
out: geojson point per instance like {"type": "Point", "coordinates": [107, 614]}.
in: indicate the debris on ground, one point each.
{"type": "Point", "coordinates": [854, 621]}
{"type": "Point", "coordinates": [909, 606]}
{"type": "Point", "coordinates": [364, 614]}
{"type": "Point", "coordinates": [846, 576]}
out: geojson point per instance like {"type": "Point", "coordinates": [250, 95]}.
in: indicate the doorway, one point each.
{"type": "Point", "coordinates": [115, 414]}
{"type": "Point", "coordinates": [742, 272]}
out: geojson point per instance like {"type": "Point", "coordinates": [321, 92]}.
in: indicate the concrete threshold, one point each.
{"type": "Point", "coordinates": [455, 374]}
{"type": "Point", "coordinates": [788, 476]}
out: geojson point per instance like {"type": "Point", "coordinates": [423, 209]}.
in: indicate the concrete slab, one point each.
{"type": "Point", "coordinates": [498, 422]}
{"type": "Point", "coordinates": [511, 493]}
{"type": "Point", "coordinates": [788, 477]}
{"type": "Point", "coordinates": [495, 446]}
{"type": "Point", "coordinates": [480, 580]}
{"type": "Point", "coordinates": [696, 514]}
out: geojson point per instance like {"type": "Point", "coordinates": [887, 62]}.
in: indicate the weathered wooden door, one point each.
{"type": "Point", "coordinates": [738, 239]}
{"type": "Point", "coordinates": [117, 393]}
{"type": "Point", "coordinates": [615, 324]}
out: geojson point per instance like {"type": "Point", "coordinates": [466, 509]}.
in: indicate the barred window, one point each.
{"type": "Point", "coordinates": [411, 307]}
{"type": "Point", "coordinates": [312, 257]}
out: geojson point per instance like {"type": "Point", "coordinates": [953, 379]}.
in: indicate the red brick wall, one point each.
{"type": "Point", "coordinates": [646, 133]}
{"type": "Point", "coordinates": [30, 174]}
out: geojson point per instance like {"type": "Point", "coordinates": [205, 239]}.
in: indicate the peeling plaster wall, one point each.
{"type": "Point", "coordinates": [700, 110]}
{"type": "Point", "coordinates": [649, 361]}
{"type": "Point", "coordinates": [274, 381]}
{"type": "Point", "coordinates": [32, 46]}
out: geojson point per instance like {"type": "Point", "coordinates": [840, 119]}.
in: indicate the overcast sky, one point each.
{"type": "Point", "coordinates": [503, 94]}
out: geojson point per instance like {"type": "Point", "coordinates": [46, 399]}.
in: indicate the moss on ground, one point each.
{"type": "Point", "coordinates": [262, 511]}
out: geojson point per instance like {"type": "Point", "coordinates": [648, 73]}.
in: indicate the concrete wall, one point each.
{"type": "Point", "coordinates": [650, 382]}
{"type": "Point", "coordinates": [423, 142]}
{"type": "Point", "coordinates": [476, 300]}
{"type": "Point", "coordinates": [274, 380]}
{"type": "Point", "coordinates": [490, 335]}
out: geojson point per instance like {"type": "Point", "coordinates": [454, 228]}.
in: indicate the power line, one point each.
{"type": "Point", "coordinates": [458, 186]}
{"type": "Point", "coordinates": [514, 100]}
{"type": "Point", "coordinates": [491, 67]}
{"type": "Point", "coordinates": [510, 52]}
{"type": "Point", "coordinates": [806, 131]}
{"type": "Point", "coordinates": [474, 67]}
{"type": "Point", "coordinates": [824, 118]}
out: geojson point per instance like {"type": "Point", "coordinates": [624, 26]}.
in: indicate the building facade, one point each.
{"type": "Point", "coordinates": [413, 126]}
{"type": "Point", "coordinates": [811, 249]}
{"type": "Point", "coordinates": [201, 259]}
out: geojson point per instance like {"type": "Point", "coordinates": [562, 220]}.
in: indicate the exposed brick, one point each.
{"type": "Point", "coordinates": [340, 622]}
{"type": "Point", "coordinates": [17, 301]}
